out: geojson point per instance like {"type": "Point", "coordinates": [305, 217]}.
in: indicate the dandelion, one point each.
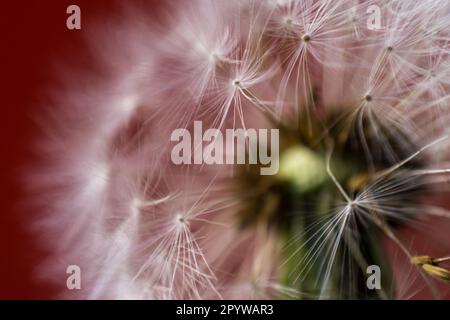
{"type": "Point", "coordinates": [363, 143]}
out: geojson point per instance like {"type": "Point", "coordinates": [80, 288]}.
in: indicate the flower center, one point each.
{"type": "Point", "coordinates": [301, 203]}
{"type": "Point", "coordinates": [303, 185]}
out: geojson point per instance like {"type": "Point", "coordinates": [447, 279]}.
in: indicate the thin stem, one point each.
{"type": "Point", "coordinates": [381, 223]}
{"type": "Point", "coordinates": [439, 260]}
{"type": "Point", "coordinates": [336, 182]}
{"type": "Point", "coordinates": [360, 260]}
{"type": "Point", "coordinates": [411, 157]}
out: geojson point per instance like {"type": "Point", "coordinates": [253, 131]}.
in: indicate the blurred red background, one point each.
{"type": "Point", "coordinates": [33, 33]}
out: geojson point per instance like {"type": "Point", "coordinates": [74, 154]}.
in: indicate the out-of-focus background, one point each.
{"type": "Point", "coordinates": [33, 34]}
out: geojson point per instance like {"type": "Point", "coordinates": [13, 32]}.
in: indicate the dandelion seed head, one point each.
{"type": "Point", "coordinates": [306, 38]}
{"type": "Point", "coordinates": [288, 21]}
{"type": "Point", "coordinates": [368, 97]}
{"type": "Point", "coordinates": [362, 116]}
{"type": "Point", "coordinates": [180, 219]}
{"type": "Point", "coordinates": [237, 83]}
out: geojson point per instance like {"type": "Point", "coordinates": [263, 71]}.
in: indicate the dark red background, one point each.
{"type": "Point", "coordinates": [33, 32]}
